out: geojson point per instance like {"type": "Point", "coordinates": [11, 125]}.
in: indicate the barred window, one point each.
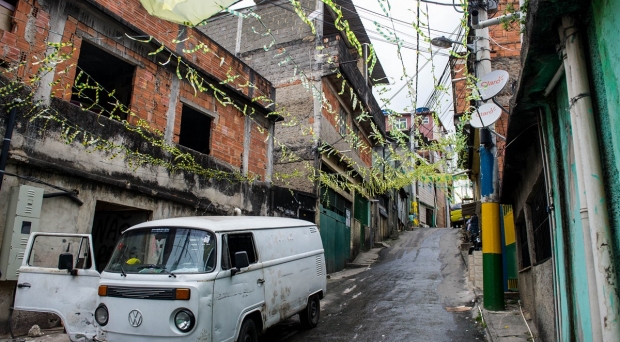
{"type": "Point", "coordinates": [540, 223]}
{"type": "Point", "coordinates": [524, 246]}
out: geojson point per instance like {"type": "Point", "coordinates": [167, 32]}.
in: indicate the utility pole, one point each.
{"type": "Point", "coordinates": [492, 269]}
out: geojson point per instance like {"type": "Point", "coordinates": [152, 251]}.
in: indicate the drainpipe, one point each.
{"type": "Point", "coordinates": [547, 177]}
{"type": "Point", "coordinates": [365, 56]}
{"type": "Point", "coordinates": [589, 166]}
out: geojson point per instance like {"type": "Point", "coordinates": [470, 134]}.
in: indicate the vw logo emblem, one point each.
{"type": "Point", "coordinates": [135, 318]}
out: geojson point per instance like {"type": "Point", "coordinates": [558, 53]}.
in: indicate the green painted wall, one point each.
{"type": "Point", "coordinates": [569, 246]}
{"type": "Point", "coordinates": [604, 26]}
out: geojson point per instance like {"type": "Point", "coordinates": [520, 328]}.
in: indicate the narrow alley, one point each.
{"type": "Point", "coordinates": [409, 294]}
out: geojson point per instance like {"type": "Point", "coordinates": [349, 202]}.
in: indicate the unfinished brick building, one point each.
{"type": "Point", "coordinates": [308, 70]}
{"type": "Point", "coordinates": [174, 151]}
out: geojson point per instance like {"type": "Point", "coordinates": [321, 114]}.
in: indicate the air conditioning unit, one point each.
{"type": "Point", "coordinates": [22, 218]}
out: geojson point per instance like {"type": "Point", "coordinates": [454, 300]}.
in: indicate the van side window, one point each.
{"type": "Point", "coordinates": [46, 249]}
{"type": "Point", "coordinates": [243, 242]}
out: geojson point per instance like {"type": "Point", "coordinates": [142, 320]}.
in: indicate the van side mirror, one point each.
{"type": "Point", "coordinates": [65, 262]}
{"type": "Point", "coordinates": [241, 261]}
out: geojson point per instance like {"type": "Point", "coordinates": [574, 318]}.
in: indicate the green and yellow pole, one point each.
{"type": "Point", "coordinates": [492, 269]}
{"type": "Point", "coordinates": [493, 290]}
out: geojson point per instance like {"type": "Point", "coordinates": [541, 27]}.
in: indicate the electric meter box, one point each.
{"type": "Point", "coordinates": [22, 218]}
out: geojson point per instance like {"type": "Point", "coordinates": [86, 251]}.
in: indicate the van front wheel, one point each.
{"type": "Point", "coordinates": [248, 331]}
{"type": "Point", "coordinates": [309, 317]}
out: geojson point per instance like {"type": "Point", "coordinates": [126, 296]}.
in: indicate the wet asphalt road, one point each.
{"type": "Point", "coordinates": [404, 296]}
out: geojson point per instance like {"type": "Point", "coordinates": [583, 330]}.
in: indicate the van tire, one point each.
{"type": "Point", "coordinates": [309, 317]}
{"type": "Point", "coordinates": [248, 331]}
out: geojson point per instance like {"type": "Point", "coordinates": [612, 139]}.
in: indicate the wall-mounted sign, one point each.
{"type": "Point", "coordinates": [486, 115]}
{"type": "Point", "coordinates": [492, 83]}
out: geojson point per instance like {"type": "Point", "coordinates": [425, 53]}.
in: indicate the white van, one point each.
{"type": "Point", "coordinates": [192, 279]}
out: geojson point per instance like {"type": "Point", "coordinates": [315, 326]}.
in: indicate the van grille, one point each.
{"type": "Point", "coordinates": [313, 230]}
{"type": "Point", "coordinates": [141, 292]}
{"type": "Point", "coordinates": [319, 266]}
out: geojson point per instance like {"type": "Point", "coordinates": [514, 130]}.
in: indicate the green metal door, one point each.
{"type": "Point", "coordinates": [336, 238]}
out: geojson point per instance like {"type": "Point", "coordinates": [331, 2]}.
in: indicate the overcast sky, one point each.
{"type": "Point", "coordinates": [443, 21]}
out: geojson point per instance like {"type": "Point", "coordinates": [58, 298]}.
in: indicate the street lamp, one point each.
{"type": "Point", "coordinates": [446, 43]}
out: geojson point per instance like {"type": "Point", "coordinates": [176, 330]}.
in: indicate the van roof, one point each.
{"type": "Point", "coordinates": [227, 223]}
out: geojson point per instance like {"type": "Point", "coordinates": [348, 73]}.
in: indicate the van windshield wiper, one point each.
{"type": "Point", "coordinates": [123, 274]}
{"type": "Point", "coordinates": [163, 269]}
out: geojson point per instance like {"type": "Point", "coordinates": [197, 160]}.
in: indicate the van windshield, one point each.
{"type": "Point", "coordinates": [164, 250]}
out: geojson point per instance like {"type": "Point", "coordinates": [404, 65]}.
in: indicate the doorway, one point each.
{"type": "Point", "coordinates": [109, 222]}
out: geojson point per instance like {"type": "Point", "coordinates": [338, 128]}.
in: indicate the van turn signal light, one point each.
{"type": "Point", "coordinates": [181, 294]}
{"type": "Point", "coordinates": [103, 290]}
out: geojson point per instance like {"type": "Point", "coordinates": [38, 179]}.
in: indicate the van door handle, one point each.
{"type": "Point", "coordinates": [23, 285]}
{"type": "Point", "coordinates": [260, 281]}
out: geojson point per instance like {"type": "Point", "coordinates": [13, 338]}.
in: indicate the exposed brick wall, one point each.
{"type": "Point", "coordinates": [258, 161]}
{"type": "Point", "coordinates": [505, 55]}
{"type": "Point", "coordinates": [151, 81]}
{"type": "Point", "coordinates": [506, 41]}
{"type": "Point", "coordinates": [332, 114]}
{"type": "Point", "coordinates": [459, 86]}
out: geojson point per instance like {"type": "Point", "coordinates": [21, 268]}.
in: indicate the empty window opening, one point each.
{"type": "Point", "coordinates": [108, 71]}
{"type": "Point", "coordinates": [7, 7]}
{"type": "Point", "coordinates": [195, 130]}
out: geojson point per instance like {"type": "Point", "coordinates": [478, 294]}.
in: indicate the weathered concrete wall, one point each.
{"type": "Point", "coordinates": [604, 50]}
{"type": "Point", "coordinates": [293, 134]}
{"type": "Point", "coordinates": [536, 295]}
{"type": "Point", "coordinates": [544, 309]}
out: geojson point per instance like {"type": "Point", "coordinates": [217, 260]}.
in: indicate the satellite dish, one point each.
{"type": "Point", "coordinates": [486, 115]}
{"type": "Point", "coordinates": [492, 83]}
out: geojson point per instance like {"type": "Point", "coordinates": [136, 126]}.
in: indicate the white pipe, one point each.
{"type": "Point", "coordinates": [589, 165]}
{"type": "Point", "coordinates": [525, 320]}
{"type": "Point", "coordinates": [554, 81]}
{"type": "Point", "coordinates": [585, 221]}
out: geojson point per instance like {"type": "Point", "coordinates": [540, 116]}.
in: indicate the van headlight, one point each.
{"type": "Point", "coordinates": [101, 315]}
{"type": "Point", "coordinates": [184, 320]}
